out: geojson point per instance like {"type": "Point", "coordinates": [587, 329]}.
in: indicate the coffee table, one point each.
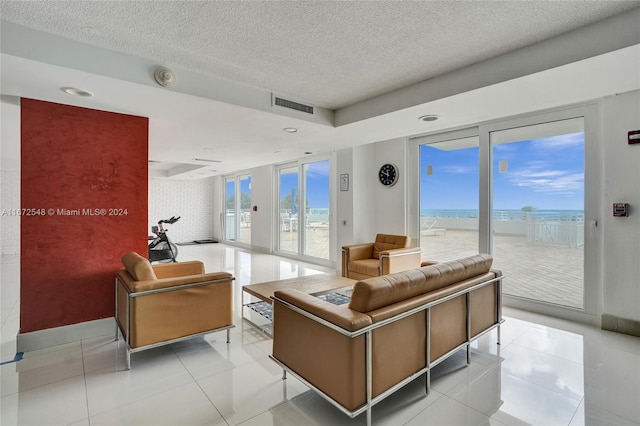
{"type": "Point", "coordinates": [259, 312]}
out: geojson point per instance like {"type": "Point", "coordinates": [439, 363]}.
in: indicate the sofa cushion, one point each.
{"type": "Point", "coordinates": [389, 242]}
{"type": "Point", "coordinates": [375, 293]}
{"type": "Point", "coordinates": [138, 267]}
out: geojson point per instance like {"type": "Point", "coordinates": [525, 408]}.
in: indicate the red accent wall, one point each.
{"type": "Point", "coordinates": [75, 162]}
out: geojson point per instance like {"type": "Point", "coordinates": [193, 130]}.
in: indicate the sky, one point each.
{"type": "Point", "coordinates": [317, 184]}
{"type": "Point", "coordinates": [547, 173]}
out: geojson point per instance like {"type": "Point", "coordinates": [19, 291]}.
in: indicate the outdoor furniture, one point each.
{"type": "Point", "coordinates": [427, 228]}
{"type": "Point", "coordinates": [161, 304]}
{"type": "Point", "coordinates": [388, 254]}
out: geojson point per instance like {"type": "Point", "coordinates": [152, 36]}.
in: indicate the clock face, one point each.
{"type": "Point", "coordinates": [388, 174]}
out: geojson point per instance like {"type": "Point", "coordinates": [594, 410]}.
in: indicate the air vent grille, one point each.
{"type": "Point", "coordinates": [297, 106]}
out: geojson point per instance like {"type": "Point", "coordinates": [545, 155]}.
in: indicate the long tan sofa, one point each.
{"type": "Point", "coordinates": [396, 328]}
{"type": "Point", "coordinates": [162, 304]}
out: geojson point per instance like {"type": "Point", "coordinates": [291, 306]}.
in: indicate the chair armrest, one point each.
{"type": "Point", "coordinates": [177, 283]}
{"type": "Point", "coordinates": [402, 259]}
{"type": "Point", "coordinates": [339, 315]}
{"type": "Point", "coordinates": [400, 251]}
{"type": "Point", "coordinates": [178, 269]}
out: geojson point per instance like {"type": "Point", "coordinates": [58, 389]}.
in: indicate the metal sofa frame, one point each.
{"type": "Point", "coordinates": [367, 331]}
{"type": "Point", "coordinates": [126, 328]}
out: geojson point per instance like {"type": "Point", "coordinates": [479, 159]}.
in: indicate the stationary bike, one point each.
{"type": "Point", "coordinates": [162, 249]}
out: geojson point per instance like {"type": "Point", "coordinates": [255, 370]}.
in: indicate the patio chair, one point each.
{"type": "Point", "coordinates": [427, 228]}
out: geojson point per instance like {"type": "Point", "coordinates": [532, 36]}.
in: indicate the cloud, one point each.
{"type": "Point", "coordinates": [549, 181]}
{"type": "Point", "coordinates": [560, 142]}
{"type": "Point", "coordinates": [316, 169]}
{"type": "Point", "coordinates": [462, 170]}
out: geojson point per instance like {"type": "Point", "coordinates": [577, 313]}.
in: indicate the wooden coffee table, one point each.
{"type": "Point", "coordinates": [259, 313]}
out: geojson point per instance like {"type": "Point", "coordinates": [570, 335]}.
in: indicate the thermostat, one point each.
{"type": "Point", "coordinates": [620, 209]}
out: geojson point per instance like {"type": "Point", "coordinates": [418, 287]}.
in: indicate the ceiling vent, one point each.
{"type": "Point", "coordinates": [280, 102]}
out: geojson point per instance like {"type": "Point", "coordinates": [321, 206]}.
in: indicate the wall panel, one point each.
{"type": "Point", "coordinates": [85, 171]}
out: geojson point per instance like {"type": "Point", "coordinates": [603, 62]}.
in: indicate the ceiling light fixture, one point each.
{"type": "Point", "coordinates": [76, 92]}
{"type": "Point", "coordinates": [429, 117]}
{"type": "Point", "coordinates": [207, 160]}
{"type": "Point", "coordinates": [290, 130]}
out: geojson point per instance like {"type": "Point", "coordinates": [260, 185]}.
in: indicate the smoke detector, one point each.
{"type": "Point", "coordinates": [164, 77]}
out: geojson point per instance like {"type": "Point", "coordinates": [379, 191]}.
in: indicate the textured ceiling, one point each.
{"type": "Point", "coordinates": [330, 54]}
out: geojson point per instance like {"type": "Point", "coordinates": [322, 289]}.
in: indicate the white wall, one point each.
{"type": "Point", "coordinates": [391, 202]}
{"type": "Point", "coordinates": [9, 175]}
{"type": "Point", "coordinates": [369, 207]}
{"type": "Point", "coordinates": [261, 196]}
{"type": "Point", "coordinates": [192, 200]}
{"type": "Point", "coordinates": [621, 114]}
{"type": "Point", "coordinates": [344, 222]}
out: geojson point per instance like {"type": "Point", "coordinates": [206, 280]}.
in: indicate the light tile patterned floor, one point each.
{"type": "Point", "coordinates": [546, 372]}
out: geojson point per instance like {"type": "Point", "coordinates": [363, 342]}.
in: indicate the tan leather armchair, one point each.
{"type": "Point", "coordinates": [388, 254]}
{"type": "Point", "coordinates": [162, 304]}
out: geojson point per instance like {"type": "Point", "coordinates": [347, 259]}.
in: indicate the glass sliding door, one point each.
{"type": "Point", "coordinates": [449, 182]}
{"type": "Point", "coordinates": [244, 231]}
{"type": "Point", "coordinates": [288, 209]}
{"type": "Point", "coordinates": [315, 235]}
{"type": "Point", "coordinates": [230, 209]}
{"type": "Point", "coordinates": [538, 210]}
{"type": "Point", "coordinates": [303, 213]}
{"type": "Point", "coordinates": [237, 212]}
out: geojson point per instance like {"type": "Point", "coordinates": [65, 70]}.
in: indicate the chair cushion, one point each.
{"type": "Point", "coordinates": [138, 267]}
{"type": "Point", "coordinates": [370, 267]}
{"type": "Point", "coordinates": [389, 242]}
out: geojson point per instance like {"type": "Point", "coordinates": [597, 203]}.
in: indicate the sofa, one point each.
{"type": "Point", "coordinates": [387, 254]}
{"type": "Point", "coordinates": [395, 328]}
{"type": "Point", "coordinates": [162, 304]}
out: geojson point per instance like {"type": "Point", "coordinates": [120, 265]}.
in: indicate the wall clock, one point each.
{"type": "Point", "coordinates": [388, 175]}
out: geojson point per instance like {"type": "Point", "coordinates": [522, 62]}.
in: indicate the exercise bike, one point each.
{"type": "Point", "coordinates": [162, 249]}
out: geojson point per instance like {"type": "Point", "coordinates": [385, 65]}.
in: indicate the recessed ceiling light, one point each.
{"type": "Point", "coordinates": [429, 117]}
{"type": "Point", "coordinates": [76, 92]}
{"type": "Point", "coordinates": [207, 160]}
{"type": "Point", "coordinates": [290, 129]}
{"type": "Point", "coordinates": [308, 153]}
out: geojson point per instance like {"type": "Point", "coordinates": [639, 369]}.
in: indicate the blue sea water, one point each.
{"type": "Point", "coordinates": [501, 214]}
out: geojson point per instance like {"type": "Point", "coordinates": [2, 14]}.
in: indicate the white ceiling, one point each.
{"type": "Point", "coordinates": [369, 68]}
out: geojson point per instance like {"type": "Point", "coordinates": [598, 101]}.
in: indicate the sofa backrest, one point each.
{"type": "Point", "coordinates": [138, 267]}
{"type": "Point", "coordinates": [389, 242]}
{"type": "Point", "coordinates": [378, 292]}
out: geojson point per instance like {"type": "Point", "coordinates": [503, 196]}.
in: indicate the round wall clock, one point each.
{"type": "Point", "coordinates": [388, 175]}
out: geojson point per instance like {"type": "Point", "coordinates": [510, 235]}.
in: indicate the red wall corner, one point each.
{"type": "Point", "coordinates": [84, 179]}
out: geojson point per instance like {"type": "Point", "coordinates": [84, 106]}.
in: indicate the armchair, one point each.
{"type": "Point", "coordinates": [161, 304]}
{"type": "Point", "coordinates": [388, 254]}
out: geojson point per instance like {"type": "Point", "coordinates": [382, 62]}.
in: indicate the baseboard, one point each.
{"type": "Point", "coordinates": [620, 325]}
{"type": "Point", "coordinates": [41, 339]}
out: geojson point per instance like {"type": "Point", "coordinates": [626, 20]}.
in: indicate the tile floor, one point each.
{"type": "Point", "coordinates": [546, 372]}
